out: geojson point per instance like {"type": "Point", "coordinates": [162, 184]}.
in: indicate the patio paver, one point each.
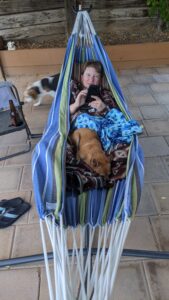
{"type": "Point", "coordinates": [10, 178]}
{"type": "Point", "coordinates": [130, 283]}
{"type": "Point", "coordinates": [162, 98]}
{"type": "Point", "coordinates": [161, 195]}
{"type": "Point", "coordinates": [147, 205]}
{"type": "Point", "coordinates": [146, 92]}
{"type": "Point", "coordinates": [146, 99]}
{"type": "Point", "coordinates": [154, 170]}
{"type": "Point", "coordinates": [154, 146]}
{"type": "Point", "coordinates": [140, 235]}
{"type": "Point", "coordinates": [154, 112]}
{"type": "Point", "coordinates": [156, 127]}
{"type": "Point", "coordinates": [160, 87]}
{"type": "Point", "coordinates": [160, 226]}
{"type": "Point", "coordinates": [157, 276]}
{"type": "Point", "coordinates": [27, 241]}
{"type": "Point", "coordinates": [19, 284]}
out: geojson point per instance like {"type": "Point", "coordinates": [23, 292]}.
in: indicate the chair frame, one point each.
{"type": "Point", "coordinates": [25, 125]}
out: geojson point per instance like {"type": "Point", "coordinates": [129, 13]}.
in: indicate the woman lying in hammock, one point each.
{"type": "Point", "coordinates": [95, 119]}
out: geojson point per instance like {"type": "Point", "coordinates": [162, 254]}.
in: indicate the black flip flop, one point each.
{"type": "Point", "coordinates": [11, 210]}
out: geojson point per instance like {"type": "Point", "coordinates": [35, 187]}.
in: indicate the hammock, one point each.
{"type": "Point", "coordinates": [94, 224]}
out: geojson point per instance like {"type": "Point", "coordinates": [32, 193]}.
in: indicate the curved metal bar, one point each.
{"type": "Point", "coordinates": [126, 252]}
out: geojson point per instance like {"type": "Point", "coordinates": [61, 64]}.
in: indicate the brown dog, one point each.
{"type": "Point", "coordinates": [89, 149]}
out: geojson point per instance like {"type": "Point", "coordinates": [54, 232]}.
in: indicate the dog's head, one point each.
{"type": "Point", "coordinates": [31, 93]}
{"type": "Point", "coordinates": [89, 149]}
{"type": "Point", "coordinates": [99, 162]}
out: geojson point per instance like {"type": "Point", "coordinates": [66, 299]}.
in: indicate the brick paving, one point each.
{"type": "Point", "coordinates": [146, 92]}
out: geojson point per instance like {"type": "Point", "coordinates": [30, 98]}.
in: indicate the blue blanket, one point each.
{"type": "Point", "coordinates": [112, 129]}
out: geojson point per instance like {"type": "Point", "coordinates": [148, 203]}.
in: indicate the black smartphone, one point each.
{"type": "Point", "coordinates": [94, 90]}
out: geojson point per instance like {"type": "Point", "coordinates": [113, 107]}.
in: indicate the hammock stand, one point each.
{"type": "Point", "coordinates": [94, 251]}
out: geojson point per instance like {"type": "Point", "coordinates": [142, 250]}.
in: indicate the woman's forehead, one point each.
{"type": "Point", "coordinates": [91, 70]}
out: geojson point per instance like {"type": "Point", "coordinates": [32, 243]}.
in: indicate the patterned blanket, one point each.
{"type": "Point", "coordinates": [81, 177]}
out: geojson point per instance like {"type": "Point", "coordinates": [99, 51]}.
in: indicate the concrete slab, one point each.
{"type": "Point", "coordinates": [161, 196]}
{"type": "Point", "coordinates": [23, 159]}
{"type": "Point", "coordinates": [138, 89]}
{"type": "Point", "coordinates": [162, 98]}
{"type": "Point", "coordinates": [156, 127]}
{"type": "Point", "coordinates": [161, 77]}
{"type": "Point", "coordinates": [26, 182]}
{"type": "Point", "coordinates": [125, 72]}
{"type": "Point", "coordinates": [27, 241]}
{"type": "Point", "coordinates": [125, 80]}
{"type": "Point", "coordinates": [146, 99]}
{"type": "Point", "coordinates": [154, 146]}
{"type": "Point", "coordinates": [167, 139]}
{"type": "Point", "coordinates": [147, 205]}
{"type": "Point", "coordinates": [154, 112]}
{"type": "Point", "coordinates": [23, 238]}
{"type": "Point", "coordinates": [145, 78]}
{"type": "Point", "coordinates": [155, 171]}
{"type": "Point", "coordinates": [160, 226]}
{"type": "Point", "coordinates": [152, 70]}
{"type": "Point", "coordinates": [167, 106]}
{"type": "Point", "coordinates": [136, 114]}
{"type": "Point", "coordinates": [140, 235]}
{"type": "Point", "coordinates": [157, 276]}
{"type": "Point", "coordinates": [19, 284]}
{"type": "Point", "coordinates": [33, 215]}
{"type": "Point", "coordinates": [12, 173]}
{"type": "Point", "coordinates": [6, 238]}
{"type": "Point", "coordinates": [44, 293]}
{"type": "Point", "coordinates": [37, 119]}
{"type": "Point", "coordinates": [14, 138]}
{"type": "Point", "coordinates": [3, 152]}
{"type": "Point", "coordinates": [166, 162]}
{"type": "Point", "coordinates": [130, 283]}
{"type": "Point", "coordinates": [160, 87]}
{"type": "Point", "coordinates": [163, 70]}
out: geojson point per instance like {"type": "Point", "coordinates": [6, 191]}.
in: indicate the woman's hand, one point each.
{"type": "Point", "coordinates": [98, 104]}
{"type": "Point", "coordinates": [80, 100]}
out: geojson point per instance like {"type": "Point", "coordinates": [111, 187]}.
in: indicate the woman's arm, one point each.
{"type": "Point", "coordinates": [108, 99]}
{"type": "Point", "coordinates": [79, 101]}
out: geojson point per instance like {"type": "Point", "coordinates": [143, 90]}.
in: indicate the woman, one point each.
{"type": "Point", "coordinates": [102, 115]}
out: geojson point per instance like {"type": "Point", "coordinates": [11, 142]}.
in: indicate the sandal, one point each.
{"type": "Point", "coordinates": [11, 210]}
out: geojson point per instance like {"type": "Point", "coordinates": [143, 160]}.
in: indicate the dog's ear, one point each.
{"type": "Point", "coordinates": [75, 138]}
{"type": "Point", "coordinates": [32, 93]}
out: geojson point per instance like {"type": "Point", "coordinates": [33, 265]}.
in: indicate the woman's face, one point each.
{"type": "Point", "coordinates": [90, 76]}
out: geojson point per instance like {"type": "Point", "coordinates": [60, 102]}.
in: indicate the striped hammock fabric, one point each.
{"type": "Point", "coordinates": [48, 167]}
{"type": "Point", "coordinates": [114, 207]}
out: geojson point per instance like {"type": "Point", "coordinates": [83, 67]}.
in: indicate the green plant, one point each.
{"type": "Point", "coordinates": [159, 8]}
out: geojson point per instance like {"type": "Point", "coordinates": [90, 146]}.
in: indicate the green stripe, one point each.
{"type": "Point", "coordinates": [107, 205]}
{"type": "Point", "coordinates": [134, 196]}
{"type": "Point", "coordinates": [82, 200]}
{"type": "Point", "coordinates": [63, 134]}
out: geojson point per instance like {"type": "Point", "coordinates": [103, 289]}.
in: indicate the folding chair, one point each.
{"type": "Point", "coordinates": [9, 92]}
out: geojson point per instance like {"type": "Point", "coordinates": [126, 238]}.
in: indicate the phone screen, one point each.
{"type": "Point", "coordinates": [94, 90]}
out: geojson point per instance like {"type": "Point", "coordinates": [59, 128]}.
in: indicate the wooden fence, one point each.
{"type": "Point", "coordinates": [32, 19]}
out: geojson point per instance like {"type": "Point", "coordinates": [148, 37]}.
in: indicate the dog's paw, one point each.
{"type": "Point", "coordinates": [37, 104]}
